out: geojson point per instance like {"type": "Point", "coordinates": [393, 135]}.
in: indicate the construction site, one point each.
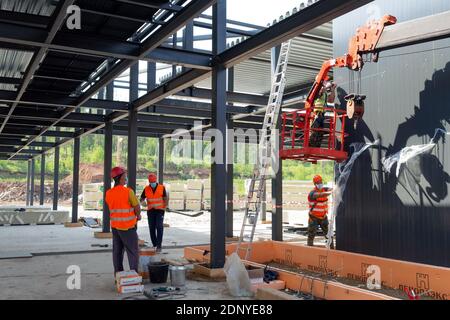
{"type": "Point", "coordinates": [217, 150]}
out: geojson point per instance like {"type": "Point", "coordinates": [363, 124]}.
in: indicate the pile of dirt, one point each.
{"type": "Point", "coordinates": [89, 173]}
{"type": "Point", "coordinates": [16, 191]}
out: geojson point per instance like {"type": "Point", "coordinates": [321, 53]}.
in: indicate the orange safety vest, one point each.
{"type": "Point", "coordinates": [122, 214]}
{"type": "Point", "coordinates": [155, 200]}
{"type": "Point", "coordinates": [318, 207]}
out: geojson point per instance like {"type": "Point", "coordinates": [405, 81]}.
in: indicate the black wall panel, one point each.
{"type": "Point", "coordinates": [408, 97]}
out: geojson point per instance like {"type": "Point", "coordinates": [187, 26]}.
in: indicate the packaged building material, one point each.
{"type": "Point", "coordinates": [194, 184]}
{"type": "Point", "coordinates": [92, 196]}
{"type": "Point", "coordinates": [194, 200]}
{"type": "Point", "coordinates": [125, 278]}
{"type": "Point", "coordinates": [136, 288]}
{"type": "Point", "coordinates": [145, 257]}
{"type": "Point", "coordinates": [93, 205]}
{"type": "Point", "coordinates": [176, 187]}
{"type": "Point", "coordinates": [176, 200]}
{"type": "Point", "coordinates": [93, 187]}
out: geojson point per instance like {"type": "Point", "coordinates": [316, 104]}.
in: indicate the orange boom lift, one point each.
{"type": "Point", "coordinates": [296, 125]}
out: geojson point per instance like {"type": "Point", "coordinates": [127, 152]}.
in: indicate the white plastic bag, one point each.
{"type": "Point", "coordinates": [237, 277]}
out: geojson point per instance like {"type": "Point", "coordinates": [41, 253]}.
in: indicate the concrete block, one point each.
{"type": "Point", "coordinates": [33, 217]}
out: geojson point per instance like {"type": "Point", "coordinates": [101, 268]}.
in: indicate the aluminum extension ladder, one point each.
{"type": "Point", "coordinates": [260, 173]}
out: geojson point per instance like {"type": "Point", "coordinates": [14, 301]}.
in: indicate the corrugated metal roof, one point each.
{"type": "Point", "coordinates": [306, 58]}
{"type": "Point", "coordinates": [12, 65]}
{"type": "Point", "coordinates": [38, 7]}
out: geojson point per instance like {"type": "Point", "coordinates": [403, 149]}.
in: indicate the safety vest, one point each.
{"type": "Point", "coordinates": [318, 207]}
{"type": "Point", "coordinates": [122, 214]}
{"type": "Point", "coordinates": [320, 103]}
{"type": "Point", "coordinates": [155, 199]}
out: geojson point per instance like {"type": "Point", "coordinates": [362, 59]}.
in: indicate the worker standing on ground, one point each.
{"type": "Point", "coordinates": [125, 211]}
{"type": "Point", "coordinates": [327, 95]}
{"type": "Point", "coordinates": [318, 209]}
{"type": "Point", "coordinates": [156, 197]}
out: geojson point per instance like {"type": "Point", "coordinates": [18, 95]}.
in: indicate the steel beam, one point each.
{"type": "Point", "coordinates": [232, 97]}
{"type": "Point", "coordinates": [176, 23]}
{"type": "Point", "coordinates": [76, 178]}
{"type": "Point", "coordinates": [89, 45]}
{"type": "Point", "coordinates": [298, 23]}
{"type": "Point", "coordinates": [150, 4]}
{"type": "Point", "coordinates": [59, 16]}
{"type": "Point", "coordinates": [32, 20]}
{"type": "Point", "coordinates": [425, 29]}
{"type": "Point", "coordinates": [219, 121]}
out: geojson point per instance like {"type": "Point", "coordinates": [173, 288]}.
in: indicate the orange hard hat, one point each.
{"type": "Point", "coordinates": [317, 179]}
{"type": "Point", "coordinates": [152, 177]}
{"type": "Point", "coordinates": [117, 171]}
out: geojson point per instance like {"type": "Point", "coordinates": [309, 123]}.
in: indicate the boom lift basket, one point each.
{"type": "Point", "coordinates": [297, 131]}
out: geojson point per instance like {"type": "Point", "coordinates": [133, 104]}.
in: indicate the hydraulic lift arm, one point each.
{"type": "Point", "coordinates": [381, 35]}
{"type": "Point", "coordinates": [365, 41]}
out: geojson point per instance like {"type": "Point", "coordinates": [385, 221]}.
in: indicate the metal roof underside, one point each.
{"type": "Point", "coordinates": [47, 72]}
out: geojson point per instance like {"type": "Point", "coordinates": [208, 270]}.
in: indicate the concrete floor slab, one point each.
{"type": "Point", "coordinates": [45, 277]}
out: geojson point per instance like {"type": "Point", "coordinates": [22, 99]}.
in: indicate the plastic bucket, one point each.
{"type": "Point", "coordinates": [177, 276]}
{"type": "Point", "coordinates": [158, 272]}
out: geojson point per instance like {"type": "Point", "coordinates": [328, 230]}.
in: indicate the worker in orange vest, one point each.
{"type": "Point", "coordinates": [155, 195]}
{"type": "Point", "coordinates": [125, 212]}
{"type": "Point", "coordinates": [327, 95]}
{"type": "Point", "coordinates": [318, 209]}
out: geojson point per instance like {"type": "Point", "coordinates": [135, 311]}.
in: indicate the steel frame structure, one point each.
{"type": "Point", "coordinates": [69, 67]}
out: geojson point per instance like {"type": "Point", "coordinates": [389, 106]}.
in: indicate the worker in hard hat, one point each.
{"type": "Point", "coordinates": [318, 209]}
{"type": "Point", "coordinates": [327, 95]}
{"type": "Point", "coordinates": [125, 212]}
{"type": "Point", "coordinates": [155, 196]}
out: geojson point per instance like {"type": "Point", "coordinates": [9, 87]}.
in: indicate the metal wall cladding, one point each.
{"type": "Point", "coordinates": [408, 97]}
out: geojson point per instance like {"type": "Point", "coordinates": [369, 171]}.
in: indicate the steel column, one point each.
{"type": "Point", "coordinates": [277, 181]}
{"type": "Point", "coordinates": [188, 38]}
{"type": "Point", "coordinates": [151, 76]}
{"type": "Point", "coordinates": [56, 178]}
{"type": "Point", "coordinates": [219, 122]}
{"type": "Point", "coordinates": [32, 182]}
{"type": "Point", "coordinates": [133, 128]}
{"type": "Point", "coordinates": [107, 161]}
{"type": "Point", "coordinates": [161, 160]}
{"type": "Point", "coordinates": [174, 46]}
{"type": "Point", "coordinates": [27, 201]}
{"type": "Point", "coordinates": [107, 166]}
{"type": "Point", "coordinates": [42, 182]}
{"type": "Point", "coordinates": [230, 160]}
{"type": "Point", "coordinates": [76, 178]}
